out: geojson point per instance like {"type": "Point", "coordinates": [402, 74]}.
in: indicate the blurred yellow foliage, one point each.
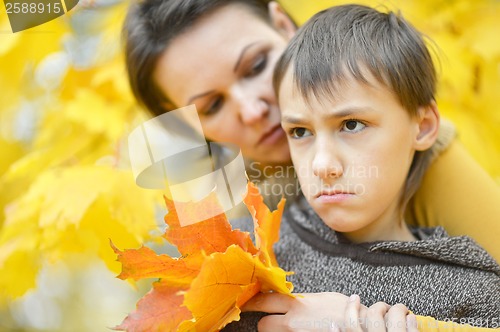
{"type": "Point", "coordinates": [64, 117]}
{"type": "Point", "coordinates": [65, 111]}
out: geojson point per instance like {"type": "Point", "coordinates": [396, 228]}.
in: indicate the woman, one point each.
{"type": "Point", "coordinates": [220, 55]}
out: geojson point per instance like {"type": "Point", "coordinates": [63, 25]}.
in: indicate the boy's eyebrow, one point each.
{"type": "Point", "coordinates": [349, 111]}
{"type": "Point", "coordinates": [292, 119]}
{"type": "Point", "coordinates": [343, 113]}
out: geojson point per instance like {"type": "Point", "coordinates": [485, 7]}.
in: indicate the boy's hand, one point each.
{"type": "Point", "coordinates": [379, 317]}
{"type": "Point", "coordinates": [328, 311]}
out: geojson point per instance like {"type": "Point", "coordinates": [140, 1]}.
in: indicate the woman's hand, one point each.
{"type": "Point", "coordinates": [305, 312]}
{"type": "Point", "coordinates": [328, 311]}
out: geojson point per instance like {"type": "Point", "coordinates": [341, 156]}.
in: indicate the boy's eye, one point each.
{"type": "Point", "coordinates": [214, 106]}
{"type": "Point", "coordinates": [299, 132]}
{"type": "Point", "coordinates": [353, 126]}
{"type": "Point", "coordinates": [258, 66]}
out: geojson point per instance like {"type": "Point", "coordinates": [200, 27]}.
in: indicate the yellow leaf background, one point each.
{"type": "Point", "coordinates": [65, 110]}
{"type": "Point", "coordinates": [66, 186]}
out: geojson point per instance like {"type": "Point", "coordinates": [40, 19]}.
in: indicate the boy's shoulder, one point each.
{"type": "Point", "coordinates": [435, 244]}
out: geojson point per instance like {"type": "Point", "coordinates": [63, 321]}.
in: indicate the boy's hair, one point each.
{"type": "Point", "coordinates": [351, 40]}
{"type": "Point", "coordinates": [149, 28]}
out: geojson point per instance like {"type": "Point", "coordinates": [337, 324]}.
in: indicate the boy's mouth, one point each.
{"type": "Point", "coordinates": [332, 193]}
{"type": "Point", "coordinates": [333, 196]}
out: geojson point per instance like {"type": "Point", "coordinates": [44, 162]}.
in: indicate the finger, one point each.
{"type": "Point", "coordinates": [375, 317]}
{"type": "Point", "coordinates": [277, 323]}
{"type": "Point", "coordinates": [272, 323]}
{"type": "Point", "coordinates": [273, 303]}
{"type": "Point", "coordinates": [396, 318]}
{"type": "Point", "coordinates": [411, 323]}
{"type": "Point", "coordinates": [351, 315]}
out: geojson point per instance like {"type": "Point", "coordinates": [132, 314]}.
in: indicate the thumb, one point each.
{"type": "Point", "coordinates": [273, 303]}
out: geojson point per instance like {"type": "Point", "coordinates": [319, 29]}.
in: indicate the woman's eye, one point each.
{"type": "Point", "coordinates": [214, 106]}
{"type": "Point", "coordinates": [258, 66]}
{"type": "Point", "coordinates": [299, 132]}
{"type": "Point", "coordinates": [353, 126]}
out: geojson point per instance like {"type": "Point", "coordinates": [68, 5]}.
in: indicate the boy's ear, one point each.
{"type": "Point", "coordinates": [428, 126]}
{"type": "Point", "coordinates": [281, 21]}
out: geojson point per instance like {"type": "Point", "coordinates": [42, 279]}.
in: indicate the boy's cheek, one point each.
{"type": "Point", "coordinates": [309, 187]}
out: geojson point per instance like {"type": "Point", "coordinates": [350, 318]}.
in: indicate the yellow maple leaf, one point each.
{"type": "Point", "coordinates": [220, 269]}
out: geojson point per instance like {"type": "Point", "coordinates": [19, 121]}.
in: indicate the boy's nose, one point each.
{"type": "Point", "coordinates": [326, 166]}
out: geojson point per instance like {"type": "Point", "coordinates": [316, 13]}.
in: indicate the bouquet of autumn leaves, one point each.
{"type": "Point", "coordinates": [219, 270]}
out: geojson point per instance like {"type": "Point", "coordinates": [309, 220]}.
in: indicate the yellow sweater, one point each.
{"type": "Point", "coordinates": [459, 195]}
{"type": "Point", "coordinates": [432, 325]}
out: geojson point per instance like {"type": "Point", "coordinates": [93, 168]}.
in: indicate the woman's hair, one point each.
{"type": "Point", "coordinates": [149, 28]}
{"type": "Point", "coordinates": [351, 41]}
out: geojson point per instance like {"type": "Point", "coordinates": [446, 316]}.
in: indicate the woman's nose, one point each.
{"type": "Point", "coordinates": [252, 108]}
{"type": "Point", "coordinates": [253, 111]}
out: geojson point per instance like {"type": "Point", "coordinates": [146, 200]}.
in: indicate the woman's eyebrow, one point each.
{"type": "Point", "coordinates": [204, 94]}
{"type": "Point", "coordinates": [242, 54]}
{"type": "Point", "coordinates": [238, 62]}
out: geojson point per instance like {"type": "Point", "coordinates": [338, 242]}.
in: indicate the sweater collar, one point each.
{"type": "Point", "coordinates": [434, 244]}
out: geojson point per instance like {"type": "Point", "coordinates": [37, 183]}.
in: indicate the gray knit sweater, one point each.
{"type": "Point", "coordinates": [448, 278]}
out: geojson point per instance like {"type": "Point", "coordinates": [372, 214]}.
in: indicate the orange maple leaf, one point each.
{"type": "Point", "coordinates": [219, 271]}
{"type": "Point", "coordinates": [266, 223]}
{"type": "Point", "coordinates": [211, 235]}
{"type": "Point", "coordinates": [145, 263]}
{"type": "Point", "coordinates": [159, 310]}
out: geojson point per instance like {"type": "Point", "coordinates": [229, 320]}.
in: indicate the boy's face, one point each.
{"type": "Point", "coordinates": [352, 155]}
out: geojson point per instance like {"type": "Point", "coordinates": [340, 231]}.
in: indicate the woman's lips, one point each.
{"type": "Point", "coordinates": [272, 136]}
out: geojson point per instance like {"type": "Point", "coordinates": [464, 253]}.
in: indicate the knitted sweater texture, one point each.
{"type": "Point", "coordinates": [448, 278]}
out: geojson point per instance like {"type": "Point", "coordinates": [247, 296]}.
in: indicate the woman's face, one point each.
{"type": "Point", "coordinates": [224, 64]}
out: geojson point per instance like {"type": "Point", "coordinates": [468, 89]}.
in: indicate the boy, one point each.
{"type": "Point", "coordinates": [356, 90]}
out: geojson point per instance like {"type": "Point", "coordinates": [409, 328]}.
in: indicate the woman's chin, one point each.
{"type": "Point", "coordinates": [277, 156]}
